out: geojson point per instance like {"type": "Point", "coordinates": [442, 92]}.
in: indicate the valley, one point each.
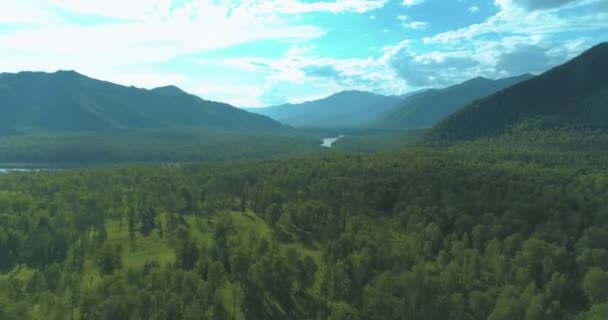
{"type": "Point", "coordinates": [484, 198]}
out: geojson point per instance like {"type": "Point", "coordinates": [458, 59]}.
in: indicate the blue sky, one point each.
{"type": "Point", "coordinates": [256, 53]}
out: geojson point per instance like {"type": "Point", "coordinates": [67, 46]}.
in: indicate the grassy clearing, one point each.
{"type": "Point", "coordinates": [150, 248]}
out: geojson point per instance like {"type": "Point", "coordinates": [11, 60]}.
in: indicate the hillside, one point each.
{"type": "Point", "coordinates": [341, 110]}
{"type": "Point", "coordinates": [69, 101]}
{"type": "Point", "coordinates": [571, 96]}
{"type": "Point", "coordinates": [426, 109]}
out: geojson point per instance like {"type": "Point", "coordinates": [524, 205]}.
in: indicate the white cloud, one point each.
{"type": "Point", "coordinates": [149, 31]}
{"type": "Point", "coordinates": [473, 9]}
{"type": "Point", "coordinates": [138, 42]}
{"type": "Point", "coordinates": [504, 57]}
{"type": "Point", "coordinates": [162, 9]}
{"type": "Point", "coordinates": [431, 69]}
{"type": "Point", "coordinates": [409, 3]}
{"type": "Point", "coordinates": [294, 6]}
{"type": "Point", "coordinates": [416, 25]}
{"type": "Point", "coordinates": [532, 5]}
{"type": "Point", "coordinates": [145, 38]}
{"type": "Point", "coordinates": [129, 10]}
{"type": "Point", "coordinates": [154, 30]}
{"type": "Point", "coordinates": [26, 12]}
{"type": "Point", "coordinates": [301, 67]}
{"type": "Point", "coordinates": [515, 19]}
{"type": "Point", "coordinates": [402, 17]}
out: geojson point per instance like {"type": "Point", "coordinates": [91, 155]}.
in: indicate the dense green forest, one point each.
{"type": "Point", "coordinates": [179, 144]}
{"type": "Point", "coordinates": [40, 148]}
{"type": "Point", "coordinates": [465, 232]}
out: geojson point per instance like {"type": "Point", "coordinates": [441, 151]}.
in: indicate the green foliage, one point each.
{"type": "Point", "coordinates": [176, 144]}
{"type": "Point", "coordinates": [109, 258]}
{"type": "Point", "coordinates": [467, 232]}
{"type": "Point", "coordinates": [595, 284]}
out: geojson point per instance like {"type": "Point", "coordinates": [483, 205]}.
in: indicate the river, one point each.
{"type": "Point", "coordinates": [9, 170]}
{"type": "Point", "coordinates": [328, 142]}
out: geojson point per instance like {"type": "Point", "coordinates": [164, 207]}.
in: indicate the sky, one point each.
{"type": "Point", "coordinates": [254, 53]}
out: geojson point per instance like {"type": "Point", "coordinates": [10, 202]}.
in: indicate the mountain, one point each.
{"type": "Point", "coordinates": [340, 110]}
{"type": "Point", "coordinates": [428, 108]}
{"type": "Point", "coordinates": [69, 101]}
{"type": "Point", "coordinates": [571, 96]}
{"type": "Point", "coordinates": [169, 91]}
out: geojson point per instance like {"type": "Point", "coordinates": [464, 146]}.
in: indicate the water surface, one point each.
{"type": "Point", "coordinates": [10, 170]}
{"type": "Point", "coordinates": [328, 142]}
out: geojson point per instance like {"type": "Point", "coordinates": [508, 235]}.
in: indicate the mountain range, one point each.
{"type": "Point", "coordinates": [69, 101]}
{"type": "Point", "coordinates": [426, 109]}
{"type": "Point", "coordinates": [341, 110]}
{"type": "Point", "coordinates": [415, 110]}
{"type": "Point", "coordinates": [571, 96]}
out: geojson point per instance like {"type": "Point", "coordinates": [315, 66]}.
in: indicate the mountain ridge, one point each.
{"type": "Point", "coordinates": [571, 95]}
{"type": "Point", "coordinates": [428, 108]}
{"type": "Point", "coordinates": [70, 101]}
{"type": "Point", "coordinates": [350, 108]}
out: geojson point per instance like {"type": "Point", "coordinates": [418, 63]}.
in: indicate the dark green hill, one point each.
{"type": "Point", "coordinates": [342, 110]}
{"type": "Point", "coordinates": [428, 108]}
{"type": "Point", "coordinates": [572, 96]}
{"type": "Point", "coordinates": [69, 101]}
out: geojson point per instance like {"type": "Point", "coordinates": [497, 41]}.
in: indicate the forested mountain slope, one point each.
{"type": "Point", "coordinates": [573, 96]}
{"type": "Point", "coordinates": [341, 110]}
{"type": "Point", "coordinates": [69, 101]}
{"type": "Point", "coordinates": [428, 108]}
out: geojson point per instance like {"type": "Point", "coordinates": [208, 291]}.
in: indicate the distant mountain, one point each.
{"type": "Point", "coordinates": [341, 110]}
{"type": "Point", "coordinates": [429, 107]}
{"type": "Point", "coordinates": [573, 95]}
{"type": "Point", "coordinates": [69, 101]}
{"type": "Point", "coordinates": [169, 91]}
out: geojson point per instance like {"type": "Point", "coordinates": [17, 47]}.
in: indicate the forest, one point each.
{"type": "Point", "coordinates": [472, 231]}
{"type": "Point", "coordinates": [185, 144]}
{"type": "Point", "coordinates": [175, 144]}
{"type": "Point", "coordinates": [304, 160]}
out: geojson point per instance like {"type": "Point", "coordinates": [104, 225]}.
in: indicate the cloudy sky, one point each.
{"type": "Point", "coordinates": [263, 52]}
